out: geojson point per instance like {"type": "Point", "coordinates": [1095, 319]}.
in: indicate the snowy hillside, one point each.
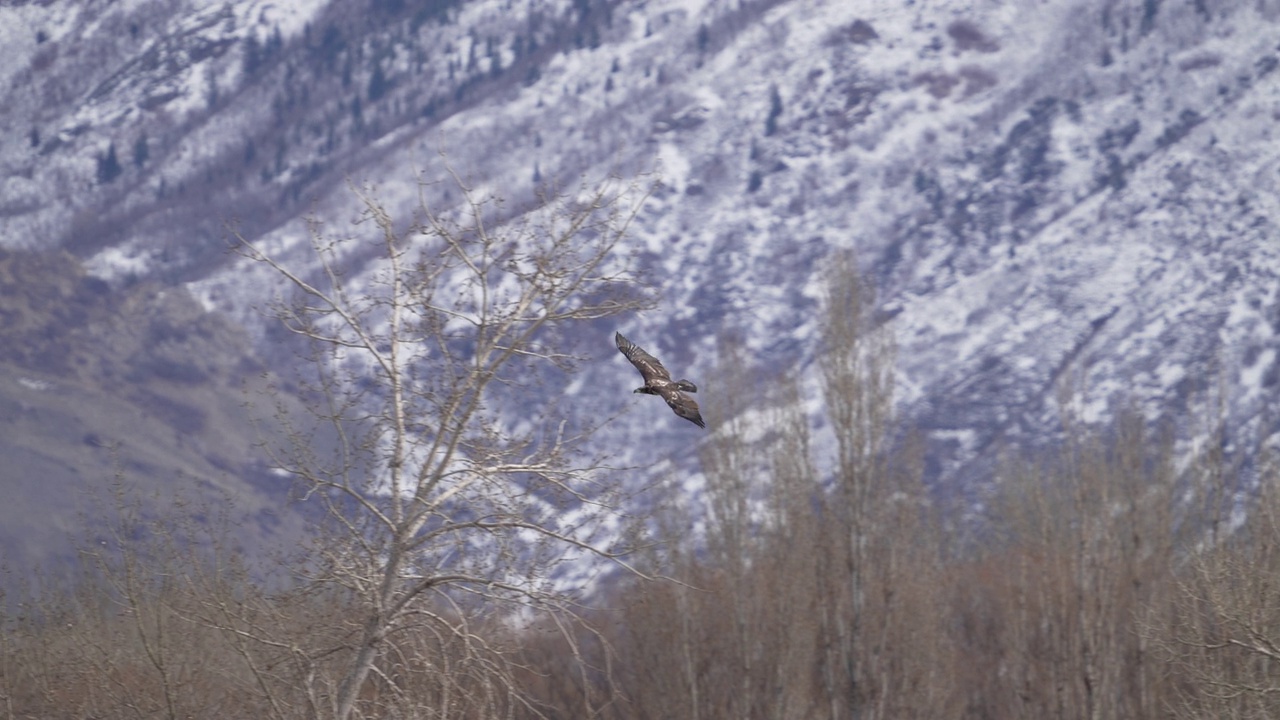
{"type": "Point", "coordinates": [1046, 193]}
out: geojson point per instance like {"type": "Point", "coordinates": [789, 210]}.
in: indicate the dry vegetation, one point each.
{"type": "Point", "coordinates": [1101, 581]}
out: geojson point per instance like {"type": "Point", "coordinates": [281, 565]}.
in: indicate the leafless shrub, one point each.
{"type": "Point", "coordinates": [858, 32]}
{"type": "Point", "coordinates": [968, 36]}
{"type": "Point", "coordinates": [939, 84]}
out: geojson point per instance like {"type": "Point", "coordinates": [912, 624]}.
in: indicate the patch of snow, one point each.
{"type": "Point", "coordinates": [34, 384]}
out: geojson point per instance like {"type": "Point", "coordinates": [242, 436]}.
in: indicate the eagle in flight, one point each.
{"type": "Point", "coordinates": [657, 381]}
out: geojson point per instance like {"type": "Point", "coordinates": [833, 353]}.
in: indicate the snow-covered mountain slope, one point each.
{"type": "Point", "coordinates": [1046, 193]}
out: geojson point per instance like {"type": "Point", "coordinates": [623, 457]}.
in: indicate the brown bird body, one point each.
{"type": "Point", "coordinates": [657, 381]}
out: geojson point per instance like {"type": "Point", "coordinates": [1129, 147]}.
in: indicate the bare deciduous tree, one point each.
{"type": "Point", "coordinates": [857, 377]}
{"type": "Point", "coordinates": [455, 481]}
{"type": "Point", "coordinates": [1221, 635]}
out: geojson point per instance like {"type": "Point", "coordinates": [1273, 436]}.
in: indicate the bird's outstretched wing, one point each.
{"type": "Point", "coordinates": [683, 405]}
{"type": "Point", "coordinates": [647, 364]}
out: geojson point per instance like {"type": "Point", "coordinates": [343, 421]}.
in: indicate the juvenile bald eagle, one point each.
{"type": "Point", "coordinates": [657, 381]}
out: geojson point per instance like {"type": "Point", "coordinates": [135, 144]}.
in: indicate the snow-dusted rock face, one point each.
{"type": "Point", "coordinates": [1044, 192]}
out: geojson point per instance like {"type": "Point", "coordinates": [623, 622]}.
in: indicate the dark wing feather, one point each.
{"type": "Point", "coordinates": [683, 405]}
{"type": "Point", "coordinates": [647, 364]}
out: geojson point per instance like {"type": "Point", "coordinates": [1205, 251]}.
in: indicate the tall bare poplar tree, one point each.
{"type": "Point", "coordinates": [857, 382]}
{"type": "Point", "coordinates": [455, 483]}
